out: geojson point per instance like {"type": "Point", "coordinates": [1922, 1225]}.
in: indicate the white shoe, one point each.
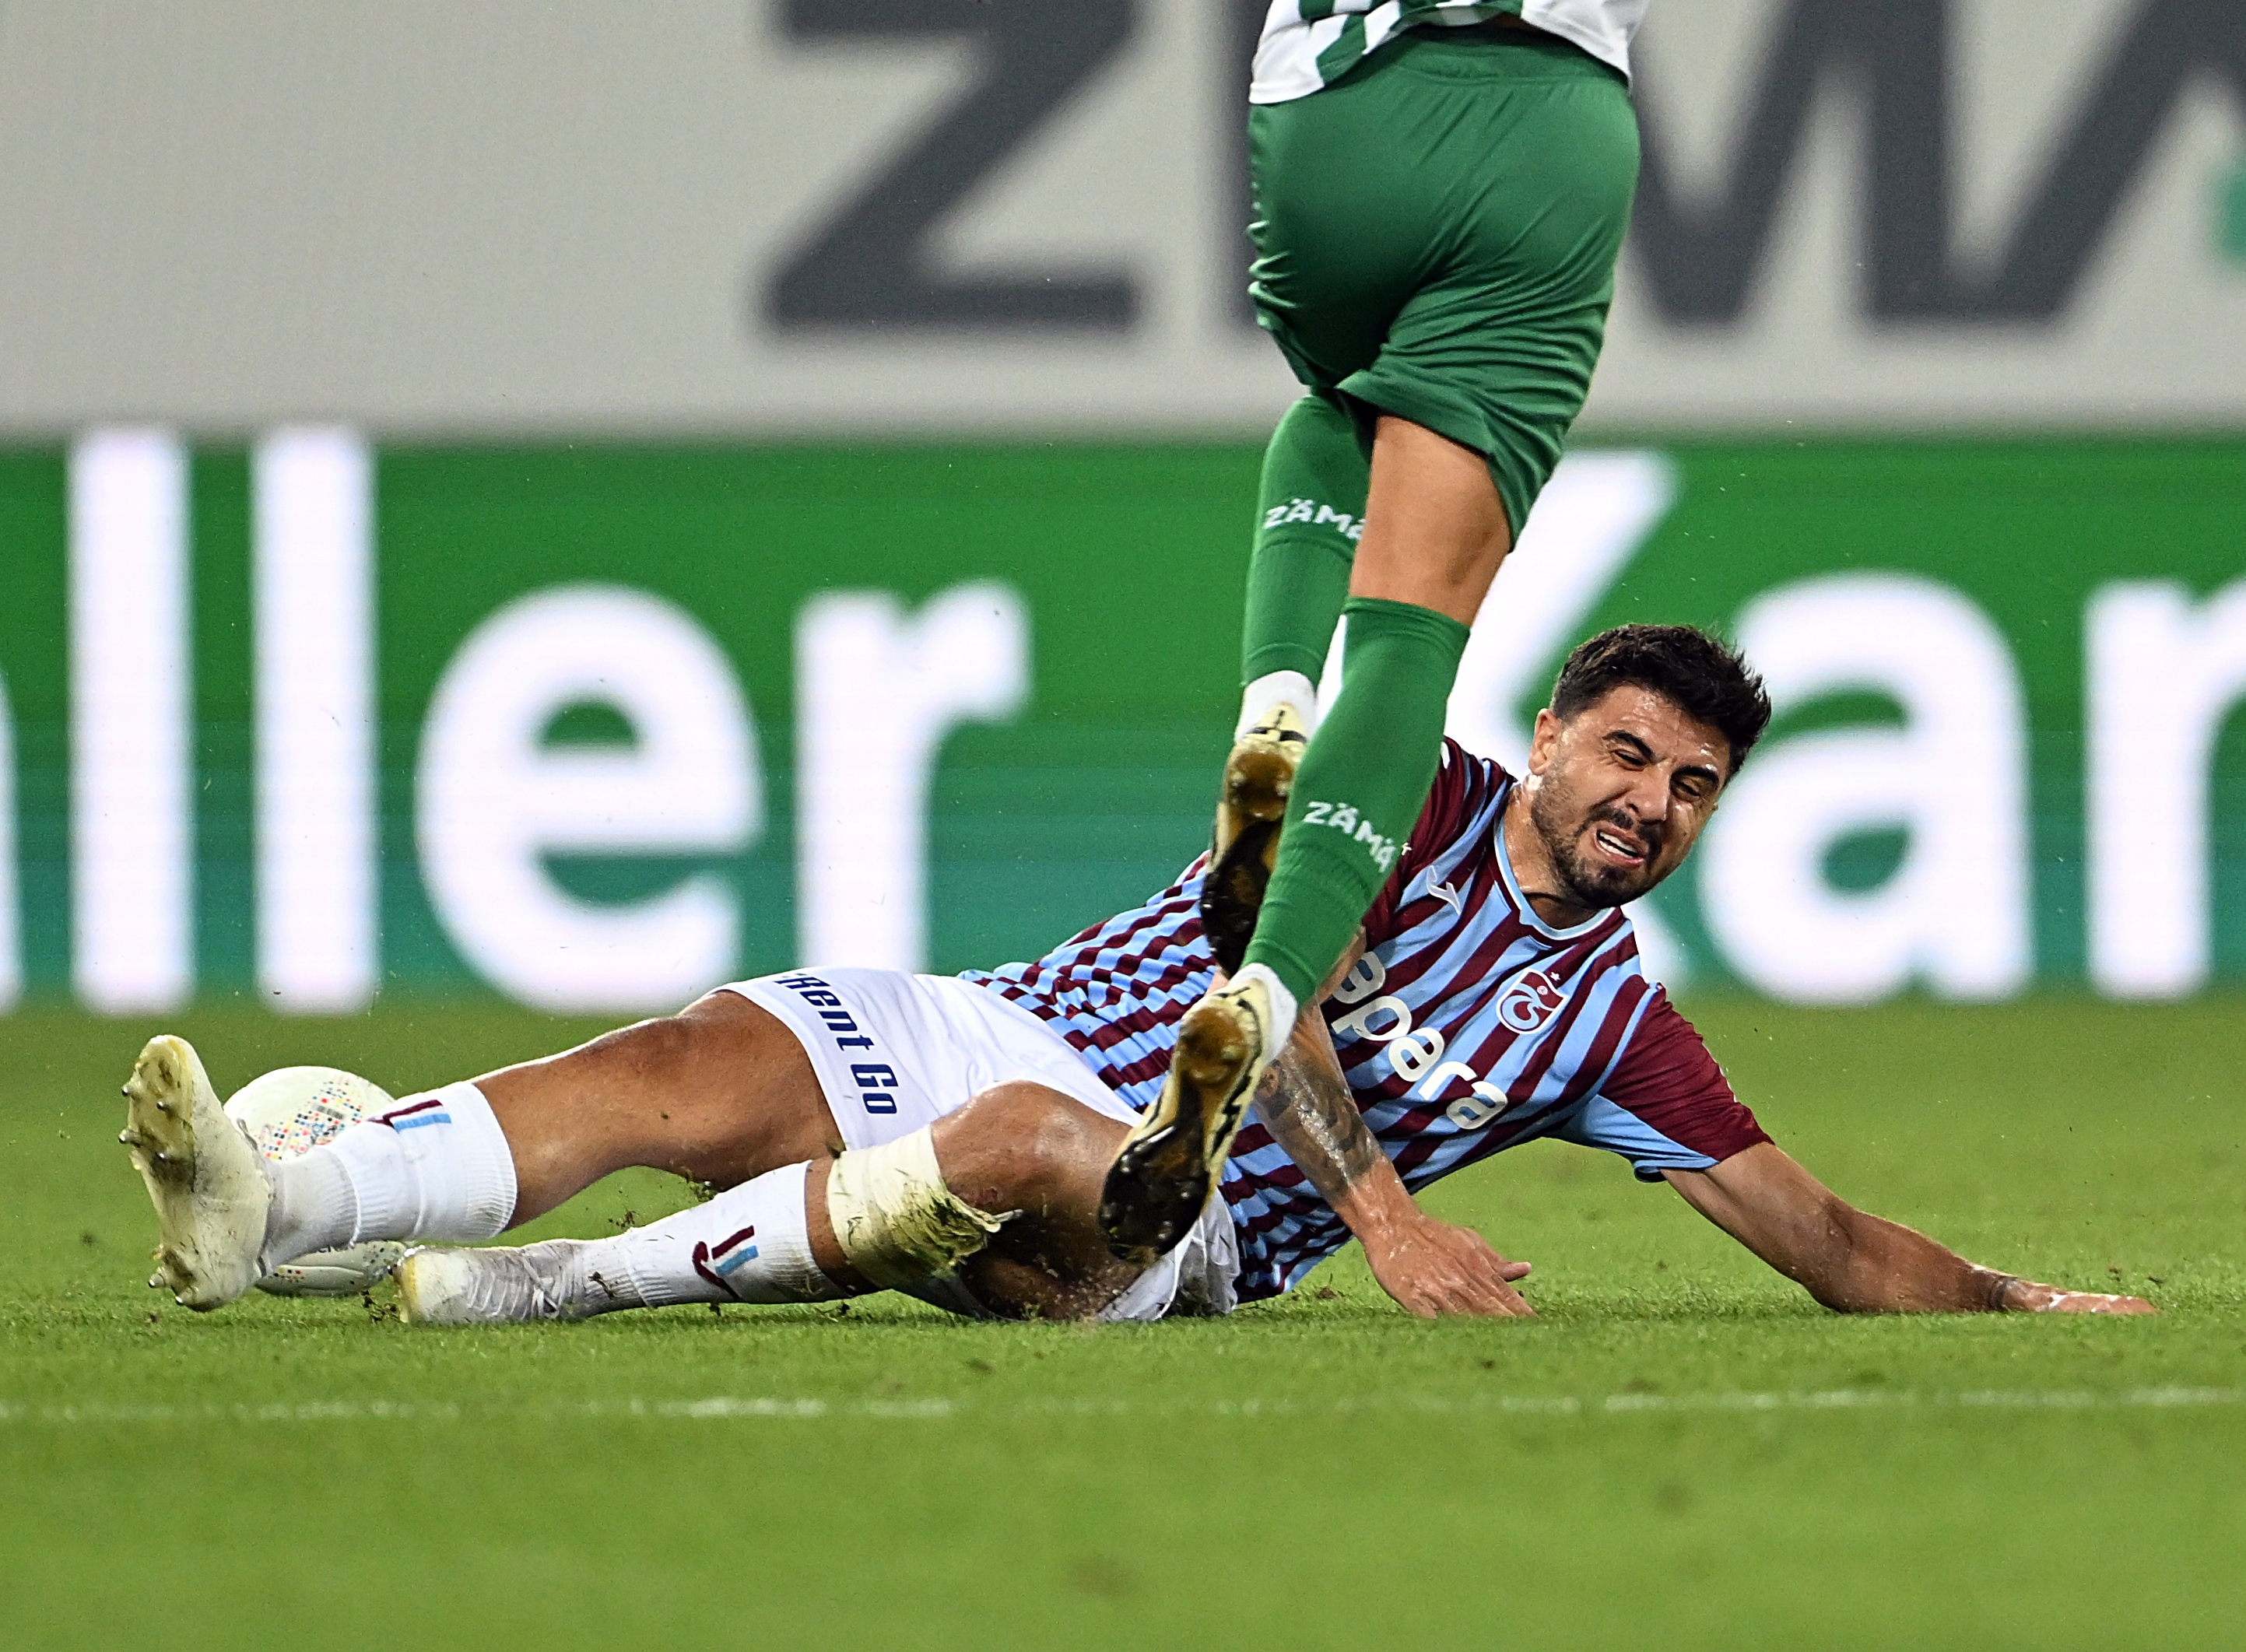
{"type": "Point", "coordinates": [203, 1177]}
{"type": "Point", "coordinates": [500, 1286]}
{"type": "Point", "coordinates": [346, 1271]}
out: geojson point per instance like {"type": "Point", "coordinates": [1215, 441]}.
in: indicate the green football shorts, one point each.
{"type": "Point", "coordinates": [1436, 234]}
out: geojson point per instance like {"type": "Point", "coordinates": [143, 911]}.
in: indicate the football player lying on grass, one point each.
{"type": "Point", "coordinates": [950, 1137]}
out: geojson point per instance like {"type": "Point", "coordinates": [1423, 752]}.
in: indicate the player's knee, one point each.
{"type": "Point", "coordinates": [1014, 1142]}
{"type": "Point", "coordinates": [1049, 1126]}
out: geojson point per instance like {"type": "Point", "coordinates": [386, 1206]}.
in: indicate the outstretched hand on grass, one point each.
{"type": "Point", "coordinates": [1854, 1261]}
{"type": "Point", "coordinates": [1433, 1268]}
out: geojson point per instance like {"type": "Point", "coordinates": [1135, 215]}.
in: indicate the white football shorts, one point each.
{"type": "Point", "coordinates": [896, 1051]}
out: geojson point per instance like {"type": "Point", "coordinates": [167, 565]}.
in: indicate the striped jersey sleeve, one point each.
{"type": "Point", "coordinates": [1667, 1081]}
{"type": "Point", "coordinates": [1307, 44]}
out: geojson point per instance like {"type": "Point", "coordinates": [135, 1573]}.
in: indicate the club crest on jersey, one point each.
{"type": "Point", "coordinates": [1529, 1000]}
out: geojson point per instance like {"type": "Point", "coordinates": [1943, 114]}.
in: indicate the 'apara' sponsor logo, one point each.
{"type": "Point", "coordinates": [1415, 1054]}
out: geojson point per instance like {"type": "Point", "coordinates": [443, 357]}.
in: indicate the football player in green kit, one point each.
{"type": "Point", "coordinates": [1442, 188]}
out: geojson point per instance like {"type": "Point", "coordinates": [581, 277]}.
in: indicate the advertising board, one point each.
{"type": "Point", "coordinates": [692, 218]}
{"type": "Point", "coordinates": [597, 726]}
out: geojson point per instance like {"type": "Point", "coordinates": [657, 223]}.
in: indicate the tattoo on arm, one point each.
{"type": "Point", "coordinates": [1307, 1106]}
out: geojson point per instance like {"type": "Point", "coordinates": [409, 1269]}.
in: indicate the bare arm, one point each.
{"type": "Point", "coordinates": [1430, 1267]}
{"type": "Point", "coordinates": [1854, 1262]}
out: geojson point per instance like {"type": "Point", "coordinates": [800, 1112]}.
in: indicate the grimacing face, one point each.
{"type": "Point", "coordinates": [1619, 792]}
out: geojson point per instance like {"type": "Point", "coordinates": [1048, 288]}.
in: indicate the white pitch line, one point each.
{"type": "Point", "coordinates": [1855, 1398]}
{"type": "Point", "coordinates": [724, 1407]}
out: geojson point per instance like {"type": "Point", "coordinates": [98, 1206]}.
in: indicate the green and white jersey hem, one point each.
{"type": "Point", "coordinates": [1311, 43]}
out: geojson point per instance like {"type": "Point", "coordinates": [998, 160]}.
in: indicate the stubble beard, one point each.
{"type": "Point", "coordinates": [1589, 884]}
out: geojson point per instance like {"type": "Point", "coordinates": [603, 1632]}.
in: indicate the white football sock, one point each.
{"type": "Point", "coordinates": [312, 1208]}
{"type": "Point", "coordinates": [435, 1167]}
{"type": "Point", "coordinates": [750, 1244]}
{"type": "Point", "coordinates": [1274, 687]}
{"type": "Point", "coordinates": [1283, 1005]}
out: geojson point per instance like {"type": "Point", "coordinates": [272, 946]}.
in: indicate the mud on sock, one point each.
{"type": "Point", "coordinates": [750, 1244]}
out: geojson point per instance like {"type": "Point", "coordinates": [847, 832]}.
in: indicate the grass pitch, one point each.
{"type": "Point", "coordinates": [1682, 1451]}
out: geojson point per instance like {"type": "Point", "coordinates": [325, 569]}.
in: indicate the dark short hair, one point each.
{"type": "Point", "coordinates": [1703, 677]}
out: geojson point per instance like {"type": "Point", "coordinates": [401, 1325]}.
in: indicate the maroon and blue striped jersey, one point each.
{"type": "Point", "coordinates": [1470, 1026]}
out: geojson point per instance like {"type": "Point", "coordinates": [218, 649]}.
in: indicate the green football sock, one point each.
{"type": "Point", "coordinates": [1310, 510]}
{"type": "Point", "coordinates": [1360, 789]}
